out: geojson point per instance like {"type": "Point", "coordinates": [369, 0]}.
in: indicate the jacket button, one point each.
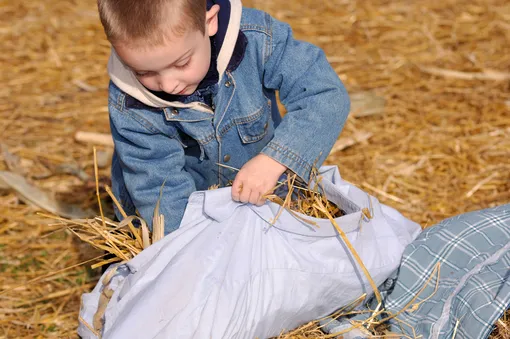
{"type": "Point", "coordinates": [266, 125]}
{"type": "Point", "coordinates": [175, 111]}
{"type": "Point", "coordinates": [226, 158]}
{"type": "Point", "coordinates": [228, 83]}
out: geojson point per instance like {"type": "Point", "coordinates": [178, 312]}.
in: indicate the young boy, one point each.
{"type": "Point", "coordinates": [193, 85]}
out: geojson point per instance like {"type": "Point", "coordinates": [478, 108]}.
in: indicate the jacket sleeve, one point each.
{"type": "Point", "coordinates": [317, 103]}
{"type": "Point", "coordinates": [149, 158]}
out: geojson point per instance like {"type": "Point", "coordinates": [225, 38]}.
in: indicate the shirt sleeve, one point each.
{"type": "Point", "coordinates": [317, 102]}
{"type": "Point", "coordinates": [149, 158]}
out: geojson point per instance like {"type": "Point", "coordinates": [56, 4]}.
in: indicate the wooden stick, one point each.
{"type": "Point", "coordinates": [101, 139]}
{"type": "Point", "coordinates": [488, 74]}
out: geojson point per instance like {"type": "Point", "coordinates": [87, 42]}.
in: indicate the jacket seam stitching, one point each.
{"type": "Point", "coordinates": [270, 43]}
{"type": "Point", "coordinates": [114, 104]}
{"type": "Point", "coordinates": [229, 75]}
{"type": "Point", "coordinates": [206, 140]}
{"type": "Point", "coordinates": [252, 117]}
{"type": "Point", "coordinates": [255, 28]}
{"type": "Point", "coordinates": [226, 128]}
{"type": "Point", "coordinates": [141, 121]}
{"type": "Point", "coordinates": [254, 138]}
{"type": "Point", "coordinates": [120, 101]}
{"type": "Point", "coordinates": [290, 154]}
{"type": "Point", "coordinates": [241, 121]}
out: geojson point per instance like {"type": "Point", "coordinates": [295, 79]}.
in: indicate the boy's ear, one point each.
{"type": "Point", "coordinates": [211, 20]}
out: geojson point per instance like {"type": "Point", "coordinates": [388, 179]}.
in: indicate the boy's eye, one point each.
{"type": "Point", "coordinates": [143, 74]}
{"type": "Point", "coordinates": [183, 65]}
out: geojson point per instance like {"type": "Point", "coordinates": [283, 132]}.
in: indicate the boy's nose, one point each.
{"type": "Point", "coordinates": [167, 85]}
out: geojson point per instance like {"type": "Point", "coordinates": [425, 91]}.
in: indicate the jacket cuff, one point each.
{"type": "Point", "coordinates": [289, 159]}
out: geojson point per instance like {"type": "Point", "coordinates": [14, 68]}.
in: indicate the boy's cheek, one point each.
{"type": "Point", "coordinates": [150, 84]}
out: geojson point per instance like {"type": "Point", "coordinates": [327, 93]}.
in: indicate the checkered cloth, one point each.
{"type": "Point", "coordinates": [473, 290]}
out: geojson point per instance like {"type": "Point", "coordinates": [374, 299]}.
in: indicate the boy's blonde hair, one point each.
{"type": "Point", "coordinates": [146, 22]}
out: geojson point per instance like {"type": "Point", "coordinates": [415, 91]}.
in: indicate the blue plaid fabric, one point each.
{"type": "Point", "coordinates": [469, 291]}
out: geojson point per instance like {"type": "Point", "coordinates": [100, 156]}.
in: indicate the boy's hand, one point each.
{"type": "Point", "coordinates": [256, 177]}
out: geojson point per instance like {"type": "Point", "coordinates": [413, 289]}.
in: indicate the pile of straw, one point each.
{"type": "Point", "coordinates": [309, 200]}
{"type": "Point", "coordinates": [439, 147]}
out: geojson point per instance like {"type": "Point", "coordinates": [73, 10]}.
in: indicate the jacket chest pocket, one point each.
{"type": "Point", "coordinates": [254, 127]}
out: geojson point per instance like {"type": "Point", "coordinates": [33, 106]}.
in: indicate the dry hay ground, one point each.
{"type": "Point", "coordinates": [441, 146]}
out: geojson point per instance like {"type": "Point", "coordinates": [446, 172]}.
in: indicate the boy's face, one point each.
{"type": "Point", "coordinates": [177, 66]}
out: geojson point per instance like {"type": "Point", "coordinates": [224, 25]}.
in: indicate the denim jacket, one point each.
{"type": "Point", "coordinates": [181, 146]}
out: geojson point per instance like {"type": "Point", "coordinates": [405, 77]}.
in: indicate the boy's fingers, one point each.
{"type": "Point", "coordinates": [245, 194]}
{"type": "Point", "coordinates": [254, 198]}
{"type": "Point", "coordinates": [261, 200]}
{"type": "Point", "coordinates": [237, 188]}
{"type": "Point", "coordinates": [235, 197]}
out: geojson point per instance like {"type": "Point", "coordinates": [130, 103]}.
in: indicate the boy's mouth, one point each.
{"type": "Point", "coordinates": [182, 91]}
